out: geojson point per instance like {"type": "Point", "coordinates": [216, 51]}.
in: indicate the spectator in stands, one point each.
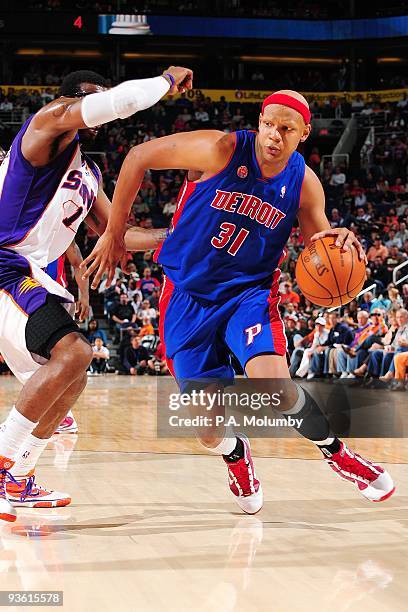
{"type": "Point", "coordinates": [349, 357]}
{"type": "Point", "coordinates": [147, 283]}
{"type": "Point", "coordinates": [319, 337]}
{"type": "Point", "coordinates": [123, 315]}
{"type": "Point", "coordinates": [338, 178]}
{"type": "Point", "coordinates": [154, 300]}
{"type": "Point", "coordinates": [170, 207]}
{"type": "Point", "coordinates": [401, 370]}
{"type": "Point", "coordinates": [314, 160]}
{"type": "Point", "coordinates": [378, 249]}
{"type": "Point", "coordinates": [392, 240]}
{"type": "Point", "coordinates": [146, 311]}
{"type": "Point", "coordinates": [381, 359]}
{"type": "Point", "coordinates": [94, 332]}
{"type": "Point", "coordinates": [146, 329]}
{"type": "Point", "coordinates": [395, 300]}
{"type": "Point", "coordinates": [339, 334]}
{"type": "Point", "coordinates": [201, 115]}
{"type": "Point", "coordinates": [379, 272]}
{"type": "Point", "coordinates": [111, 295]}
{"type": "Point", "coordinates": [100, 357]}
{"type": "Point", "coordinates": [290, 331]}
{"type": "Point", "coordinates": [157, 364]}
{"type": "Point", "coordinates": [135, 358]}
{"type": "Point", "coordinates": [367, 301]}
{"type": "Point", "coordinates": [402, 233]}
{"type": "Point", "coordinates": [6, 105]}
{"type": "Point", "coordinates": [288, 295]}
{"type": "Point", "coordinates": [336, 220]}
{"type": "Point", "coordinates": [134, 294]}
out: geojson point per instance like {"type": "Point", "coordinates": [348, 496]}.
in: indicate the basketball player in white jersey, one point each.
{"type": "Point", "coordinates": [47, 188]}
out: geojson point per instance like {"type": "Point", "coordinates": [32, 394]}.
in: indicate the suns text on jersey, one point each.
{"type": "Point", "coordinates": [248, 205]}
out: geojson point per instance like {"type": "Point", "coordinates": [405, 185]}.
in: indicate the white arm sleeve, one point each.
{"type": "Point", "coordinates": [123, 100]}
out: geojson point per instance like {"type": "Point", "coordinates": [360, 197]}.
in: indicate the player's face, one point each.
{"type": "Point", "coordinates": [280, 131]}
{"type": "Point", "coordinates": [89, 134]}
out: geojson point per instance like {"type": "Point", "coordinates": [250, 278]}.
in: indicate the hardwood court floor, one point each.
{"type": "Point", "coordinates": [153, 528]}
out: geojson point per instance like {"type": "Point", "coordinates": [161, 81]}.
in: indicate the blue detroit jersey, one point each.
{"type": "Point", "coordinates": [229, 231]}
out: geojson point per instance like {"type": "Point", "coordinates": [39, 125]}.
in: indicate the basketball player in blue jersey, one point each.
{"type": "Point", "coordinates": [48, 186]}
{"type": "Point", "coordinates": [234, 216]}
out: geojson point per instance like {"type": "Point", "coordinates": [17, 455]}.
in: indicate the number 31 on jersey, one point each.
{"type": "Point", "coordinates": [227, 231]}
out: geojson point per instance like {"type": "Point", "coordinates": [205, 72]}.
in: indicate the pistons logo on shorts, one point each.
{"type": "Point", "coordinates": [242, 172]}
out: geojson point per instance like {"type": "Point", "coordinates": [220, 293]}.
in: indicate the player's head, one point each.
{"type": "Point", "coordinates": [283, 123]}
{"type": "Point", "coordinates": [79, 84]}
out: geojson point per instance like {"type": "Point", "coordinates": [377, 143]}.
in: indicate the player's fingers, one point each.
{"type": "Point", "coordinates": [342, 237]}
{"type": "Point", "coordinates": [123, 264]}
{"type": "Point", "coordinates": [111, 273]}
{"type": "Point", "coordinates": [323, 234]}
{"type": "Point", "coordinates": [87, 260]}
{"type": "Point", "coordinates": [97, 278]}
{"type": "Point", "coordinates": [347, 242]}
{"type": "Point", "coordinates": [94, 265]}
{"type": "Point", "coordinates": [361, 253]}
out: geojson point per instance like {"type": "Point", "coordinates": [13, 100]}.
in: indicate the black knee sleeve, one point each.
{"type": "Point", "coordinates": [46, 326]}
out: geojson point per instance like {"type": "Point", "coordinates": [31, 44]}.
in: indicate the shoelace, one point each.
{"type": "Point", "coordinates": [349, 464]}
{"type": "Point", "coordinates": [29, 489]}
{"type": "Point", "coordinates": [4, 475]}
{"type": "Point", "coordinates": [240, 471]}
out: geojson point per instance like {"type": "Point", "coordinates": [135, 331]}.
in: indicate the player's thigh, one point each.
{"type": "Point", "coordinates": [255, 334]}
{"type": "Point", "coordinates": [193, 345]}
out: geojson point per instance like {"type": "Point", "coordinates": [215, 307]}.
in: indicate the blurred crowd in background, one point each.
{"type": "Point", "coordinates": [364, 339]}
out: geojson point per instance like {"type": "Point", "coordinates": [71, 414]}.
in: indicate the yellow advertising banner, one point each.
{"type": "Point", "coordinates": [247, 95]}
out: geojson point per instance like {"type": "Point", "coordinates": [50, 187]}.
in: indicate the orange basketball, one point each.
{"type": "Point", "coordinates": [328, 276]}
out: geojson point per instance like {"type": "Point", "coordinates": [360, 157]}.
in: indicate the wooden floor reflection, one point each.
{"type": "Point", "coordinates": [152, 526]}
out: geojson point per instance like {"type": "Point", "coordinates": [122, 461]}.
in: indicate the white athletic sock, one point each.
{"type": "Point", "coordinates": [28, 455]}
{"type": "Point", "coordinates": [325, 442]}
{"type": "Point", "coordinates": [13, 432]}
{"type": "Point", "coordinates": [227, 445]}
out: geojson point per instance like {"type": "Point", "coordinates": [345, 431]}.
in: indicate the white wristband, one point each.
{"type": "Point", "coordinates": [123, 100]}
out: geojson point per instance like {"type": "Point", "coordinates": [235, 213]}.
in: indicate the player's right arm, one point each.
{"type": "Point", "coordinates": [55, 125]}
{"type": "Point", "coordinates": [204, 151]}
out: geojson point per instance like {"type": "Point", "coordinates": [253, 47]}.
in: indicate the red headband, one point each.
{"type": "Point", "coordinates": [286, 100]}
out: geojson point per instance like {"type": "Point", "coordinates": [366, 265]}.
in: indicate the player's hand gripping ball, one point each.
{"type": "Point", "coordinates": [329, 276]}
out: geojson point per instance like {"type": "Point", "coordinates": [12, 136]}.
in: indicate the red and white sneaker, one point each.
{"type": "Point", "coordinates": [24, 492]}
{"type": "Point", "coordinates": [67, 425]}
{"type": "Point", "coordinates": [243, 483]}
{"type": "Point", "coordinates": [372, 480]}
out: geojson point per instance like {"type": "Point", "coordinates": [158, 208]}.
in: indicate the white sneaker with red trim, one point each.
{"type": "Point", "coordinates": [243, 483]}
{"type": "Point", "coordinates": [371, 479]}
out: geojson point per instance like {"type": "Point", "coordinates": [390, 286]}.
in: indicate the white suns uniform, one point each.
{"type": "Point", "coordinates": [40, 212]}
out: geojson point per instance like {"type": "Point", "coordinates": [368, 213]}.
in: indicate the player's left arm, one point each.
{"type": "Point", "coordinates": [74, 257]}
{"type": "Point", "coordinates": [136, 238]}
{"type": "Point", "coordinates": [312, 217]}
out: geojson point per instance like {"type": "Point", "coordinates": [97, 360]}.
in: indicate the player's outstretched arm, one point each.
{"type": "Point", "coordinates": [205, 151]}
{"type": "Point", "coordinates": [64, 116]}
{"type": "Point", "coordinates": [312, 217]}
{"type": "Point", "coordinates": [135, 238]}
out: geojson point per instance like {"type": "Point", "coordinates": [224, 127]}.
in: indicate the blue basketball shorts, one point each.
{"type": "Point", "coordinates": [200, 336]}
